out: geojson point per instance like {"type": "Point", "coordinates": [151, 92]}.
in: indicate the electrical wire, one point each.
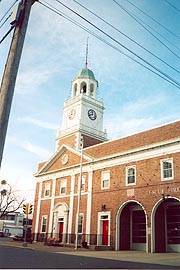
{"type": "Point", "coordinates": [119, 43]}
{"type": "Point", "coordinates": [141, 23]}
{"type": "Point", "coordinates": [8, 10]}
{"type": "Point", "coordinates": [153, 19]}
{"type": "Point", "coordinates": [172, 5]}
{"type": "Point", "coordinates": [157, 57]}
{"type": "Point", "coordinates": [162, 75]}
{"type": "Point", "coordinates": [5, 20]}
{"type": "Point", "coordinates": [8, 32]}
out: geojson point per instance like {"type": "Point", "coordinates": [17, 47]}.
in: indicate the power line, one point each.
{"type": "Point", "coordinates": [157, 57]}
{"type": "Point", "coordinates": [172, 5]}
{"type": "Point", "coordinates": [142, 24]}
{"type": "Point", "coordinates": [162, 74]}
{"type": "Point", "coordinates": [119, 43]}
{"type": "Point", "coordinates": [8, 32]}
{"type": "Point", "coordinates": [5, 20]}
{"type": "Point", "coordinates": [153, 19]}
{"type": "Point", "coordinates": [8, 10]}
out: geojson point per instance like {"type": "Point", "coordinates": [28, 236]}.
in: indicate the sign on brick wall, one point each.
{"type": "Point", "coordinates": [130, 193]}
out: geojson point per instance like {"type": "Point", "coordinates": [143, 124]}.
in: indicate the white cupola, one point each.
{"type": "Point", "coordinates": [85, 83]}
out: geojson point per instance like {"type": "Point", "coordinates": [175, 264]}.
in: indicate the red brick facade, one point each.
{"type": "Point", "coordinates": [130, 197]}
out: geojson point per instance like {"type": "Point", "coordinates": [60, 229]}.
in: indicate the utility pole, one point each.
{"type": "Point", "coordinates": [11, 68]}
{"type": "Point", "coordinates": [79, 195]}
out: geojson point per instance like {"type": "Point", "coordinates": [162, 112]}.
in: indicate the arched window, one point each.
{"type": "Point", "coordinates": [75, 89]}
{"type": "Point", "coordinates": [83, 87]}
{"type": "Point", "coordinates": [92, 89]}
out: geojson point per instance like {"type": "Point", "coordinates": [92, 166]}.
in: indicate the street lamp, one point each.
{"type": "Point", "coordinates": [79, 194]}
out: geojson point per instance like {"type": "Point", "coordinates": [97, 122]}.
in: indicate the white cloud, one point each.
{"type": "Point", "coordinates": [30, 147]}
{"type": "Point", "coordinates": [39, 123]}
{"type": "Point", "coordinates": [37, 150]}
{"type": "Point", "coordinates": [30, 80]}
{"type": "Point", "coordinates": [121, 127]}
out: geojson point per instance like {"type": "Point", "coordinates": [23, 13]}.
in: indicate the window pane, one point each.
{"type": "Point", "coordinates": [47, 193]}
{"type": "Point", "coordinates": [105, 178]}
{"type": "Point", "coordinates": [47, 190]}
{"type": "Point", "coordinates": [131, 175]}
{"type": "Point", "coordinates": [44, 222]}
{"type": "Point", "coordinates": [80, 224]}
{"type": "Point", "coordinates": [167, 165]}
{"type": "Point", "coordinates": [167, 169]}
{"type": "Point", "coordinates": [63, 190]}
{"type": "Point", "coordinates": [105, 183]}
{"type": "Point", "coordinates": [63, 187]}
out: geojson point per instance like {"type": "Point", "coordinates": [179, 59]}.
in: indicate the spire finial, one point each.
{"type": "Point", "coordinates": [86, 63]}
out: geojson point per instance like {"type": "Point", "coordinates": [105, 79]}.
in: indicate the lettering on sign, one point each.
{"type": "Point", "coordinates": [162, 191]}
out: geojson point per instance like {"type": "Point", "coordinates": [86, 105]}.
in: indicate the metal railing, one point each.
{"type": "Point", "coordinates": [83, 239]}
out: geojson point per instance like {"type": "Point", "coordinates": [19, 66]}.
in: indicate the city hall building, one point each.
{"type": "Point", "coordinates": [122, 194]}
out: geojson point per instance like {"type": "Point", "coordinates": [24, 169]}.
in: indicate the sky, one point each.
{"type": "Point", "coordinates": [135, 98]}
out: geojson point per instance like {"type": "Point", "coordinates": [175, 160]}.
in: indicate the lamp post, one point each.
{"type": "Point", "coordinates": [79, 193]}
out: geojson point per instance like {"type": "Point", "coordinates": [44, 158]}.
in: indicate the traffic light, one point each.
{"type": "Point", "coordinates": [25, 208]}
{"type": "Point", "coordinates": [30, 209]}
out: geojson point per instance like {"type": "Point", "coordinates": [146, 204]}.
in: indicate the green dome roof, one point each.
{"type": "Point", "coordinates": [85, 73]}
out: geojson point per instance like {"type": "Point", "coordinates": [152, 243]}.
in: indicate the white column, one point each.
{"type": "Point", "coordinates": [89, 206]}
{"type": "Point", "coordinates": [65, 225]}
{"type": "Point", "coordinates": [50, 229]}
{"type": "Point", "coordinates": [71, 204]}
{"type": "Point", "coordinates": [38, 211]}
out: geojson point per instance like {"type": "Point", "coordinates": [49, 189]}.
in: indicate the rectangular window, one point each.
{"type": "Point", "coordinates": [131, 175]}
{"type": "Point", "coordinates": [80, 224]}
{"type": "Point", "coordinates": [105, 180]}
{"type": "Point", "coordinates": [83, 180]}
{"type": "Point", "coordinates": [63, 187]}
{"type": "Point", "coordinates": [47, 190]}
{"type": "Point", "coordinates": [167, 169]}
{"type": "Point", "coordinates": [44, 224]}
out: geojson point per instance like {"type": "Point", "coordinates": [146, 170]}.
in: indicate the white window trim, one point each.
{"type": "Point", "coordinates": [102, 179]}
{"type": "Point", "coordinates": [127, 168]}
{"type": "Point", "coordinates": [99, 227]}
{"type": "Point", "coordinates": [47, 188]}
{"type": "Point", "coordinates": [62, 186]}
{"type": "Point", "coordinates": [170, 160]}
{"type": "Point", "coordinates": [44, 216]}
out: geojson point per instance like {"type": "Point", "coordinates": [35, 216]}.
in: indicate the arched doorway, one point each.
{"type": "Point", "coordinates": [131, 227]}
{"type": "Point", "coordinates": [166, 225]}
{"type": "Point", "coordinates": [60, 219]}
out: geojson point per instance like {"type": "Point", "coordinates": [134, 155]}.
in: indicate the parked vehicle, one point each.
{"type": "Point", "coordinates": [2, 234]}
{"type": "Point", "coordinates": [20, 237]}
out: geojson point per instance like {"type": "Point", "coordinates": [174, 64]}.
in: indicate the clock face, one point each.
{"type": "Point", "coordinates": [92, 114]}
{"type": "Point", "coordinates": [72, 113]}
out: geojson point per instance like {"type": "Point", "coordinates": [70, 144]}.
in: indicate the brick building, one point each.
{"type": "Point", "coordinates": [125, 192]}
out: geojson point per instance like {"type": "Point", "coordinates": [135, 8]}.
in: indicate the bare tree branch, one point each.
{"type": "Point", "coordinates": [9, 200]}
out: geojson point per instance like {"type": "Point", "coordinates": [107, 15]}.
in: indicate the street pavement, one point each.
{"type": "Point", "coordinates": [166, 259]}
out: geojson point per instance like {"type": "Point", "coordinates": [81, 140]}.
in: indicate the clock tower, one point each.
{"type": "Point", "coordinates": [82, 113]}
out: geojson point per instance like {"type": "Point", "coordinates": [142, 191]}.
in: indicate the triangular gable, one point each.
{"type": "Point", "coordinates": [64, 157]}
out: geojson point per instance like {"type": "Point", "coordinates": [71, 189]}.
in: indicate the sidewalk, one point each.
{"type": "Point", "coordinates": [171, 259]}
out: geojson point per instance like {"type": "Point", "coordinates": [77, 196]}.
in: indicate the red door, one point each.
{"type": "Point", "coordinates": [105, 232]}
{"type": "Point", "coordinates": [61, 230]}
